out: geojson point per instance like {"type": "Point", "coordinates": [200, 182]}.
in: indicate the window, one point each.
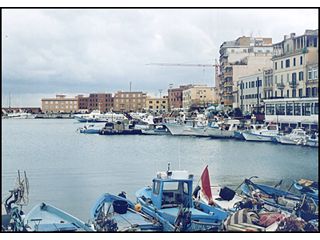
{"type": "Point", "coordinates": [280, 109]}
{"type": "Point", "coordinates": [314, 92]}
{"type": "Point", "coordinates": [156, 187]}
{"type": "Point", "coordinates": [310, 75]}
{"type": "Point", "coordinates": [297, 109]}
{"type": "Point", "coordinates": [315, 74]}
{"type": "Point", "coordinates": [170, 186]}
{"type": "Point", "coordinates": [316, 108]}
{"type": "Point", "coordinates": [289, 109]}
{"type": "Point", "coordinates": [281, 64]}
{"type": "Point", "coordinates": [275, 93]}
{"type": "Point", "coordinates": [287, 63]}
{"type": "Point", "coordinates": [300, 92]}
{"type": "Point", "coordinates": [185, 188]}
{"type": "Point", "coordinates": [306, 109]}
{"type": "Point", "coordinates": [275, 79]}
{"type": "Point", "coordinates": [300, 76]}
{"type": "Point", "coordinates": [275, 65]}
{"type": "Point", "coordinates": [269, 109]}
{"type": "Point", "coordinates": [288, 93]}
{"type": "Point", "coordinates": [307, 92]}
{"type": "Point", "coordinates": [246, 85]}
{"type": "Point", "coordinates": [294, 62]}
{"type": "Point", "coordinates": [301, 60]}
{"type": "Point", "coordinates": [294, 93]}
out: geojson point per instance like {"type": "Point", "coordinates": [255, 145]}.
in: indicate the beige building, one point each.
{"type": "Point", "coordinates": [157, 105]}
{"type": "Point", "coordinates": [129, 101]}
{"type": "Point", "coordinates": [240, 57]}
{"type": "Point", "coordinates": [59, 104]}
{"type": "Point", "coordinates": [198, 96]}
{"type": "Point", "coordinates": [295, 66]}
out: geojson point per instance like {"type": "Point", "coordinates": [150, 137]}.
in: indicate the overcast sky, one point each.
{"type": "Point", "coordinates": [45, 52]}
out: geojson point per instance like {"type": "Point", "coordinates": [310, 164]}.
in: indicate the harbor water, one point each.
{"type": "Point", "coordinates": [70, 170]}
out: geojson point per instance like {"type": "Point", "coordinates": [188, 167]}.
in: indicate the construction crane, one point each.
{"type": "Point", "coordinates": [216, 65]}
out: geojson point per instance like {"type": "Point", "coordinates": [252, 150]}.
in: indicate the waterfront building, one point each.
{"type": "Point", "coordinates": [82, 103]}
{"type": "Point", "coordinates": [157, 105]}
{"type": "Point", "coordinates": [293, 112]}
{"type": "Point", "coordinates": [175, 96]}
{"type": "Point", "coordinates": [129, 101]}
{"type": "Point", "coordinates": [243, 56]}
{"type": "Point", "coordinates": [100, 101]}
{"type": "Point", "coordinates": [295, 66]}
{"type": "Point", "coordinates": [59, 104]}
{"type": "Point", "coordinates": [250, 92]}
{"type": "Point", "coordinates": [197, 96]}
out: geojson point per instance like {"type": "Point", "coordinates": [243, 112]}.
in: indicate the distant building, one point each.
{"type": "Point", "coordinates": [293, 112]}
{"type": "Point", "coordinates": [33, 110]}
{"type": "Point", "coordinates": [82, 103]}
{"type": "Point", "coordinates": [175, 96]}
{"type": "Point", "coordinates": [129, 101]}
{"type": "Point", "coordinates": [100, 101]}
{"type": "Point", "coordinates": [157, 105]}
{"type": "Point", "coordinates": [241, 57]}
{"type": "Point", "coordinates": [295, 66]}
{"type": "Point", "coordinates": [59, 104]}
{"type": "Point", "coordinates": [197, 96]}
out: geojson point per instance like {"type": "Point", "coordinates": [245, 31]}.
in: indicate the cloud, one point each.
{"type": "Point", "coordinates": [47, 51]}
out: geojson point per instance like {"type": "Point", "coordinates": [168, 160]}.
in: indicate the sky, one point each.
{"type": "Point", "coordinates": [79, 51]}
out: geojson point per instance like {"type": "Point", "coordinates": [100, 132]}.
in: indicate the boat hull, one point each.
{"type": "Point", "coordinates": [257, 137]}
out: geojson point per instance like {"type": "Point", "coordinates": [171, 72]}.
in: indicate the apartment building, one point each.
{"type": "Point", "coordinates": [157, 105]}
{"type": "Point", "coordinates": [241, 57]}
{"type": "Point", "coordinates": [129, 101]}
{"type": "Point", "coordinates": [295, 65]}
{"type": "Point", "coordinates": [197, 96]}
{"type": "Point", "coordinates": [59, 104]}
{"type": "Point", "coordinates": [175, 96]}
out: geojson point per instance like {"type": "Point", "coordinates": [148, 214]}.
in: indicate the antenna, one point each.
{"type": "Point", "coordinates": [160, 91]}
{"type": "Point", "coordinates": [130, 85]}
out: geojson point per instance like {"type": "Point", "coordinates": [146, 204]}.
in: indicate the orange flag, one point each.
{"type": "Point", "coordinates": [205, 184]}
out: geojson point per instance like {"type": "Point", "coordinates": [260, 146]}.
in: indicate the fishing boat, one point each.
{"type": "Point", "coordinates": [112, 213]}
{"type": "Point", "coordinates": [308, 187]}
{"type": "Point", "coordinates": [238, 134]}
{"type": "Point", "coordinates": [302, 206]}
{"type": "Point", "coordinates": [90, 129]}
{"type": "Point", "coordinates": [157, 130]}
{"type": "Point", "coordinates": [12, 215]}
{"type": "Point", "coordinates": [170, 202]}
{"type": "Point", "coordinates": [190, 127]}
{"type": "Point", "coordinates": [265, 134]}
{"type": "Point", "coordinates": [297, 137]}
{"type": "Point", "coordinates": [47, 218]}
{"type": "Point", "coordinates": [119, 128]}
{"type": "Point", "coordinates": [223, 197]}
{"type": "Point", "coordinates": [94, 116]}
{"type": "Point", "coordinates": [224, 129]}
{"type": "Point", "coordinates": [312, 140]}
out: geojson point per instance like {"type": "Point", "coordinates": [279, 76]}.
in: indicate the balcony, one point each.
{"type": "Point", "coordinates": [293, 84]}
{"type": "Point", "coordinates": [312, 82]}
{"type": "Point", "coordinates": [280, 85]}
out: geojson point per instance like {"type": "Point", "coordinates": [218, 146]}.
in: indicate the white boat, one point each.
{"type": "Point", "coordinates": [195, 127]}
{"type": "Point", "coordinates": [97, 116]}
{"type": "Point", "coordinates": [265, 134]}
{"type": "Point", "coordinates": [20, 115]}
{"type": "Point", "coordinates": [47, 218]}
{"type": "Point", "coordinates": [297, 137]}
{"type": "Point", "coordinates": [223, 129]}
{"type": "Point", "coordinates": [312, 140]}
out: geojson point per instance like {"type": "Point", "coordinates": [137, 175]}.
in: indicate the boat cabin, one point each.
{"type": "Point", "coordinates": [171, 189]}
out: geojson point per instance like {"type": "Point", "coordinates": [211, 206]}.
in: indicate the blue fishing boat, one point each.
{"type": "Point", "coordinates": [112, 213]}
{"type": "Point", "coordinates": [170, 202]}
{"type": "Point", "coordinates": [303, 206]}
{"type": "Point", "coordinates": [47, 218]}
{"type": "Point", "coordinates": [308, 187]}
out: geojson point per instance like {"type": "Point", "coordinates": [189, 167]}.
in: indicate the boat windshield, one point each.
{"type": "Point", "coordinates": [272, 127]}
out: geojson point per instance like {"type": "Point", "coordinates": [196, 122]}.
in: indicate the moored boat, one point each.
{"type": "Point", "coordinates": [297, 137]}
{"type": "Point", "coordinates": [265, 134]}
{"type": "Point", "coordinates": [91, 129]}
{"type": "Point", "coordinates": [47, 218]}
{"type": "Point", "coordinates": [112, 213]}
{"type": "Point", "coordinates": [170, 202]}
{"type": "Point", "coordinates": [119, 128]}
{"type": "Point", "coordinates": [224, 129]}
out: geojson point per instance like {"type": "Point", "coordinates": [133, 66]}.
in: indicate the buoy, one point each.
{"type": "Point", "coordinates": [137, 207]}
